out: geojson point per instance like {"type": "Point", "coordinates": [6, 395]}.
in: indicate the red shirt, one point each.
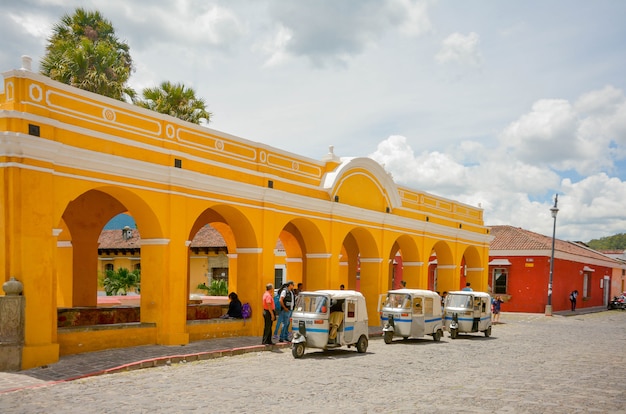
{"type": "Point", "coordinates": [268, 301]}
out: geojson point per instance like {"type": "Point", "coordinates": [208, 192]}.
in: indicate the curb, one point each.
{"type": "Point", "coordinates": [161, 361]}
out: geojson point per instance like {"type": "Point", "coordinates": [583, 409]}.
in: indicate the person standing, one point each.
{"type": "Point", "coordinates": [496, 305]}
{"type": "Point", "coordinates": [572, 299]}
{"type": "Point", "coordinates": [269, 314]}
{"type": "Point", "coordinates": [287, 301]}
{"type": "Point", "coordinates": [467, 287]}
{"type": "Point", "coordinates": [278, 310]}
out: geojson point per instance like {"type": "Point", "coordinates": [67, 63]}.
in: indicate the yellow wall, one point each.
{"type": "Point", "coordinates": [95, 158]}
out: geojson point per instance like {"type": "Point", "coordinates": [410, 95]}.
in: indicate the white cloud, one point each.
{"type": "Point", "coordinates": [497, 118]}
{"type": "Point", "coordinates": [586, 137]}
{"type": "Point", "coordinates": [34, 24]}
{"type": "Point", "coordinates": [276, 46]}
{"type": "Point", "coordinates": [459, 48]}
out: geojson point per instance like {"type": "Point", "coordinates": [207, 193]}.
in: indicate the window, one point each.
{"type": "Point", "coordinates": [500, 277]}
{"type": "Point", "coordinates": [428, 306]}
{"type": "Point", "coordinates": [586, 285]}
{"type": "Point", "coordinates": [108, 266]}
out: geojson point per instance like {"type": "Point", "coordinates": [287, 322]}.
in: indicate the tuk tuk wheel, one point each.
{"type": "Point", "coordinates": [488, 332]}
{"type": "Point", "coordinates": [297, 350]}
{"type": "Point", "coordinates": [437, 335]}
{"type": "Point", "coordinates": [361, 344]}
{"type": "Point", "coordinates": [388, 337]}
{"type": "Point", "coordinates": [453, 333]}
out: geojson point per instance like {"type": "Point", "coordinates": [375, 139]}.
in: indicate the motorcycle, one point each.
{"type": "Point", "coordinates": [618, 302]}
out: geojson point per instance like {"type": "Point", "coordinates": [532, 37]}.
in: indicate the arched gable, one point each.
{"type": "Point", "coordinates": [362, 182]}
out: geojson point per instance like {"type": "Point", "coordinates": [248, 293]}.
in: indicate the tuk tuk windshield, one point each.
{"type": "Point", "coordinates": [398, 300]}
{"type": "Point", "coordinates": [311, 303]}
{"type": "Point", "coordinates": [459, 301]}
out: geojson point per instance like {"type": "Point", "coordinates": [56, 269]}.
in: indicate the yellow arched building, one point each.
{"type": "Point", "coordinates": [70, 160]}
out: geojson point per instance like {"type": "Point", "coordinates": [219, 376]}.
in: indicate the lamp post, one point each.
{"type": "Point", "coordinates": [553, 211]}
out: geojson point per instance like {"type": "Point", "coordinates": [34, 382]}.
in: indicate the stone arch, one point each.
{"type": "Point", "coordinates": [404, 263]}
{"type": "Point", "coordinates": [362, 264]}
{"type": "Point", "coordinates": [473, 269]}
{"type": "Point", "coordinates": [442, 269]}
{"type": "Point", "coordinates": [84, 218]}
{"type": "Point", "coordinates": [305, 250]}
{"type": "Point", "coordinates": [240, 238]}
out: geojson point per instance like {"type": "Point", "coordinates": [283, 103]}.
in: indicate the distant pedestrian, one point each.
{"type": "Point", "coordinates": [467, 287]}
{"type": "Point", "coordinates": [287, 302]}
{"type": "Point", "coordinates": [572, 299]}
{"type": "Point", "coordinates": [298, 289]}
{"type": "Point", "coordinates": [403, 283]}
{"type": "Point", "coordinates": [269, 315]}
{"type": "Point", "coordinates": [443, 298]}
{"type": "Point", "coordinates": [342, 287]}
{"type": "Point", "coordinates": [495, 308]}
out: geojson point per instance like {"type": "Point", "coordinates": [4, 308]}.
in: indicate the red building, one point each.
{"type": "Point", "coordinates": [519, 271]}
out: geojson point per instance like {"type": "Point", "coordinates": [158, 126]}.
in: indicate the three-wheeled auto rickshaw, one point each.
{"type": "Point", "coordinates": [467, 311]}
{"type": "Point", "coordinates": [410, 313]}
{"type": "Point", "coordinates": [328, 319]}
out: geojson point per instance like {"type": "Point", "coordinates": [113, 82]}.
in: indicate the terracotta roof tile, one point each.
{"type": "Point", "coordinates": [515, 238]}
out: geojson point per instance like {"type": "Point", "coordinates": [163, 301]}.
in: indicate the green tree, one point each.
{"type": "Point", "coordinates": [121, 281]}
{"type": "Point", "coordinates": [176, 100]}
{"type": "Point", "coordinates": [83, 51]}
{"type": "Point", "coordinates": [217, 288]}
{"type": "Point", "coordinates": [615, 242]}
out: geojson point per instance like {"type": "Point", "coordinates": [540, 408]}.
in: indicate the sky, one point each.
{"type": "Point", "coordinates": [496, 104]}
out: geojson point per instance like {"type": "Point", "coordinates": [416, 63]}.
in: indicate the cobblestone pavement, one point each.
{"type": "Point", "coordinates": [531, 364]}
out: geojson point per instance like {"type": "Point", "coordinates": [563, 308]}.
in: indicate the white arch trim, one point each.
{"type": "Point", "coordinates": [332, 179]}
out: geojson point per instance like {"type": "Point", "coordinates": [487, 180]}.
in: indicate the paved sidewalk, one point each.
{"type": "Point", "coordinates": [72, 367]}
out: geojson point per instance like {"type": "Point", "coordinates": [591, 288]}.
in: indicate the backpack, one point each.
{"type": "Point", "coordinates": [246, 311]}
{"type": "Point", "coordinates": [277, 306]}
{"type": "Point", "coordinates": [277, 301]}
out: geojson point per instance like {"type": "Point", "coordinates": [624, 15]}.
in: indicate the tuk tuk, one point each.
{"type": "Point", "coordinates": [328, 319]}
{"type": "Point", "coordinates": [410, 313]}
{"type": "Point", "coordinates": [467, 311]}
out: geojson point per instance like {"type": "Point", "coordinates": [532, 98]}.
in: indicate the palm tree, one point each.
{"type": "Point", "coordinates": [175, 100]}
{"type": "Point", "coordinates": [121, 281]}
{"type": "Point", "coordinates": [84, 52]}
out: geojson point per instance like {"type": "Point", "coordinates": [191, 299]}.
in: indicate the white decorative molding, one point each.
{"type": "Point", "coordinates": [56, 232]}
{"type": "Point", "coordinates": [154, 242]}
{"type": "Point", "coordinates": [319, 255]}
{"type": "Point", "coordinates": [108, 114]}
{"type": "Point", "coordinates": [35, 92]}
{"type": "Point", "coordinates": [64, 243]}
{"type": "Point", "coordinates": [412, 264]}
{"type": "Point", "coordinates": [371, 259]}
{"type": "Point", "coordinates": [249, 250]}
{"type": "Point", "coordinates": [170, 131]}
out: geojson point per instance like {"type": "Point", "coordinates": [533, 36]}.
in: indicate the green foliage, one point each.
{"type": "Point", "coordinates": [176, 100]}
{"type": "Point", "coordinates": [84, 52]}
{"type": "Point", "coordinates": [217, 288]}
{"type": "Point", "coordinates": [121, 281]}
{"type": "Point", "coordinates": [616, 242]}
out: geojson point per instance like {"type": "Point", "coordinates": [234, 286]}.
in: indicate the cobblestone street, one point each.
{"type": "Point", "coordinates": [531, 364]}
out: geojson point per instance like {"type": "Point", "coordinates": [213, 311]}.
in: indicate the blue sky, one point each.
{"type": "Point", "coordinates": [500, 104]}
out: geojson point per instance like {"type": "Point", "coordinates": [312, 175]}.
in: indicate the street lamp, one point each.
{"type": "Point", "coordinates": [553, 212]}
